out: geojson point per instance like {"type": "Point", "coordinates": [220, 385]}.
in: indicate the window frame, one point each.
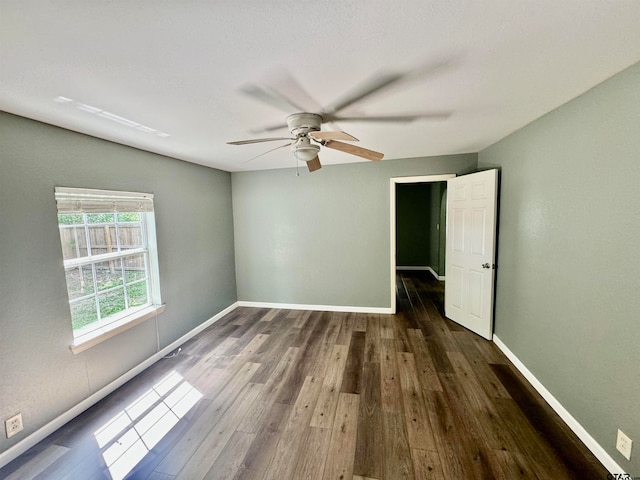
{"type": "Point", "coordinates": [111, 201]}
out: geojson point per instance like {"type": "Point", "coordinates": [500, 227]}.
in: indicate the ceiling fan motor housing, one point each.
{"type": "Point", "coordinates": [302, 123]}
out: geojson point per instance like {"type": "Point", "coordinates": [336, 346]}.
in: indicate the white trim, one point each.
{"type": "Point", "coordinates": [440, 278]}
{"type": "Point", "coordinates": [99, 335]}
{"type": "Point", "coordinates": [599, 452]}
{"type": "Point", "coordinates": [424, 178]}
{"type": "Point", "coordinates": [43, 432]}
{"type": "Point", "coordinates": [392, 241]}
{"type": "Point", "coordinates": [393, 181]}
{"type": "Point", "coordinates": [320, 308]}
{"type": "Point", "coordinates": [102, 257]}
{"type": "Point", "coordinates": [425, 269]}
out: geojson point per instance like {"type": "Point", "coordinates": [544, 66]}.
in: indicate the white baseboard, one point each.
{"type": "Point", "coordinates": [435, 275]}
{"type": "Point", "coordinates": [425, 269]}
{"type": "Point", "coordinates": [599, 452]}
{"type": "Point", "coordinates": [320, 308]}
{"type": "Point", "coordinates": [43, 432]}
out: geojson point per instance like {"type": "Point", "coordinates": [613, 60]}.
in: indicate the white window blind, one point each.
{"type": "Point", "coordinates": [82, 200]}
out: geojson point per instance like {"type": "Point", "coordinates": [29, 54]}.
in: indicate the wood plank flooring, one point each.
{"type": "Point", "coordinates": [278, 394]}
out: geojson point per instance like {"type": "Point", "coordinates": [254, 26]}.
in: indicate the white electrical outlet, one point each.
{"type": "Point", "coordinates": [13, 425]}
{"type": "Point", "coordinates": [623, 444]}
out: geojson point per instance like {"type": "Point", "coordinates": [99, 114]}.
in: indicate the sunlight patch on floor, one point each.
{"type": "Point", "coordinates": [133, 432]}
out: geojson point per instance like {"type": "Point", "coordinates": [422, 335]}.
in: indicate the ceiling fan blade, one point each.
{"type": "Point", "coordinates": [314, 164]}
{"type": "Point", "coordinates": [372, 86]}
{"type": "Point", "coordinates": [268, 151]}
{"type": "Point", "coordinates": [395, 118]}
{"type": "Point", "coordinates": [258, 140]}
{"type": "Point", "coordinates": [270, 97]}
{"type": "Point", "coordinates": [354, 150]}
{"type": "Point", "coordinates": [384, 80]}
{"type": "Point", "coordinates": [285, 85]}
{"type": "Point", "coordinates": [333, 136]}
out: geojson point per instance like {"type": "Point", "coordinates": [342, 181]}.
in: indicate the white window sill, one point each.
{"type": "Point", "coordinates": [99, 335]}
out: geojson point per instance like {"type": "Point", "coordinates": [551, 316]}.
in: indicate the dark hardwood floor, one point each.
{"type": "Point", "coordinates": [277, 394]}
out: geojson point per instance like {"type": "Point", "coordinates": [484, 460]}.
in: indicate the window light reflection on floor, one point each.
{"type": "Point", "coordinates": [134, 431]}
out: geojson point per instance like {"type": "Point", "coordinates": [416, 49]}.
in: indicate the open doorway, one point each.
{"type": "Point", "coordinates": [419, 246]}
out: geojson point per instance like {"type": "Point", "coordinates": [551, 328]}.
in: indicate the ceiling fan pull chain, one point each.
{"type": "Point", "coordinates": [297, 167]}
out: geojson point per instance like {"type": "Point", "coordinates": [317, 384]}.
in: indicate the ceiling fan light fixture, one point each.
{"type": "Point", "coordinates": [304, 150]}
{"type": "Point", "coordinates": [307, 152]}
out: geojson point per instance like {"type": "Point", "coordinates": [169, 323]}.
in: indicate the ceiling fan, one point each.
{"type": "Point", "coordinates": [307, 139]}
{"type": "Point", "coordinates": [305, 127]}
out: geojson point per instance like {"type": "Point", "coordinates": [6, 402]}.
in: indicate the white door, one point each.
{"type": "Point", "coordinates": [470, 260]}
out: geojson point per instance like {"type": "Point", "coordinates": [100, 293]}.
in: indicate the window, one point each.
{"type": "Point", "coordinates": [110, 259]}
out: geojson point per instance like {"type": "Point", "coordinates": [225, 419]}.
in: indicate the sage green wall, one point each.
{"type": "Point", "coordinates": [568, 282]}
{"type": "Point", "coordinates": [321, 238]}
{"type": "Point", "coordinates": [417, 221]}
{"type": "Point", "coordinates": [434, 223]}
{"type": "Point", "coordinates": [442, 253]}
{"type": "Point", "coordinates": [413, 224]}
{"type": "Point", "coordinates": [39, 376]}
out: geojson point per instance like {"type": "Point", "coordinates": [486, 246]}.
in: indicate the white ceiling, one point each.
{"type": "Point", "coordinates": [177, 66]}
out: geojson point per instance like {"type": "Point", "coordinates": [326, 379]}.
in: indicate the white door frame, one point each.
{"type": "Point", "coordinates": [392, 215]}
